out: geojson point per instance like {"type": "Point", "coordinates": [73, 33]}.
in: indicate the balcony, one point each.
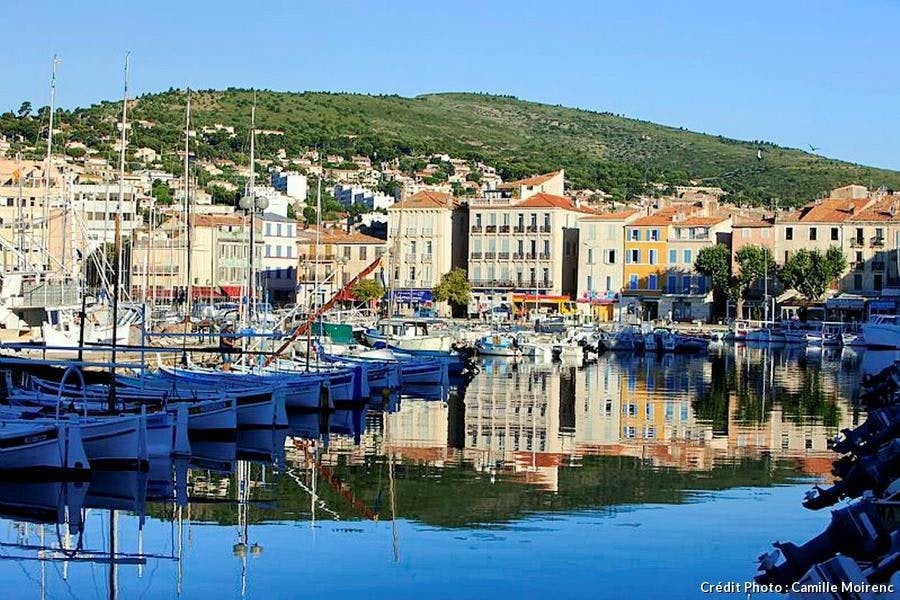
{"type": "Point", "coordinates": [490, 229]}
{"type": "Point", "coordinates": [493, 283]}
{"type": "Point", "coordinates": [490, 255]}
{"type": "Point", "coordinates": [476, 228]}
{"type": "Point", "coordinates": [856, 242]}
{"type": "Point", "coordinates": [504, 229]}
{"type": "Point", "coordinates": [476, 256]}
{"type": "Point", "coordinates": [544, 256]}
{"type": "Point", "coordinates": [427, 231]}
{"type": "Point", "coordinates": [503, 255]}
{"type": "Point", "coordinates": [530, 256]}
{"type": "Point", "coordinates": [532, 229]}
{"type": "Point", "coordinates": [411, 231]}
{"type": "Point", "coordinates": [519, 229]}
{"type": "Point", "coordinates": [685, 290]}
{"type": "Point", "coordinates": [877, 241]}
{"type": "Point", "coordinates": [410, 258]}
{"type": "Point", "coordinates": [518, 256]}
{"type": "Point", "coordinates": [545, 229]}
{"type": "Point", "coordinates": [426, 258]}
{"type": "Point", "coordinates": [878, 265]}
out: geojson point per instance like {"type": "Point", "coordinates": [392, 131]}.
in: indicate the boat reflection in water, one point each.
{"type": "Point", "coordinates": [525, 459]}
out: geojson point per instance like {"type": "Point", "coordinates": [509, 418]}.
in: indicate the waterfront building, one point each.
{"type": "Point", "coordinates": [427, 237]}
{"type": "Point", "coordinates": [601, 255]}
{"type": "Point", "coordinates": [278, 271]}
{"type": "Point", "coordinates": [335, 260]}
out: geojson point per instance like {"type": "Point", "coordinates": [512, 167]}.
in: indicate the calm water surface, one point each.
{"type": "Point", "coordinates": [633, 477]}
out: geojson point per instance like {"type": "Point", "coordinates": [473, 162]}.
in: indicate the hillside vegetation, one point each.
{"type": "Point", "coordinates": [598, 150]}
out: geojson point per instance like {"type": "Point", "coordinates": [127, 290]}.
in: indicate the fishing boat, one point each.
{"type": "Point", "coordinates": [498, 345]}
{"type": "Point", "coordinates": [624, 339]}
{"type": "Point", "coordinates": [31, 449]}
{"type": "Point", "coordinates": [826, 335]}
{"type": "Point", "coordinates": [410, 334]}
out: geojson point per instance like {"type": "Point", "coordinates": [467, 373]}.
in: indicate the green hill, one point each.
{"type": "Point", "coordinates": [598, 150]}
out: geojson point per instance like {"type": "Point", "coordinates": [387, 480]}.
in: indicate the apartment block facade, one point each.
{"type": "Point", "coordinates": [601, 254]}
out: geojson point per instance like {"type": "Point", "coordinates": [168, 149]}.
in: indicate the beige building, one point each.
{"type": "Point", "coordinates": [601, 255]}
{"type": "Point", "coordinates": [337, 258]}
{"type": "Point", "coordinates": [426, 238]}
{"type": "Point", "coordinates": [548, 183]}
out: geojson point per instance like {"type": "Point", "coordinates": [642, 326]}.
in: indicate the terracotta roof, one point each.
{"type": "Point", "coordinates": [427, 199]}
{"type": "Point", "coordinates": [543, 200]}
{"type": "Point", "coordinates": [535, 180]}
{"type": "Point", "coordinates": [885, 209]}
{"type": "Point", "coordinates": [832, 210]}
{"type": "Point", "coordinates": [337, 236]}
{"type": "Point", "coordinates": [611, 216]}
{"type": "Point", "coordinates": [215, 220]}
{"type": "Point", "coordinates": [751, 222]}
{"type": "Point", "coordinates": [701, 221]}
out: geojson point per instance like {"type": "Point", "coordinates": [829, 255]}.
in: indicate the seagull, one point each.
{"type": "Point", "coordinates": [813, 148]}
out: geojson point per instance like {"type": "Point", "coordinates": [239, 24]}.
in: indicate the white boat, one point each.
{"type": "Point", "coordinates": [537, 350]}
{"type": "Point", "coordinates": [30, 448]}
{"type": "Point", "coordinates": [854, 339]}
{"type": "Point", "coordinates": [827, 335]}
{"type": "Point", "coordinates": [498, 345]}
{"type": "Point", "coordinates": [410, 334]}
{"type": "Point", "coordinates": [882, 331]}
{"type": "Point", "coordinates": [62, 327]}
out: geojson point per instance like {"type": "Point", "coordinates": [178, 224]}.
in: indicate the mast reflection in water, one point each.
{"type": "Point", "coordinates": [532, 479]}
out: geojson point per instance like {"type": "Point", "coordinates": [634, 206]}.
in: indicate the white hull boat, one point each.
{"type": "Point", "coordinates": [33, 448]}
{"type": "Point", "coordinates": [883, 331]}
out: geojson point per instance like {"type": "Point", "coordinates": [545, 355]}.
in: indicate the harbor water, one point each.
{"type": "Point", "coordinates": [637, 476]}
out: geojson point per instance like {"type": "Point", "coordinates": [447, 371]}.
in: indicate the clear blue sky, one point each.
{"type": "Point", "coordinates": [795, 72]}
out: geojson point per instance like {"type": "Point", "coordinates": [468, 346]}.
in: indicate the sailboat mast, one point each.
{"type": "Point", "coordinates": [45, 228]}
{"type": "Point", "coordinates": [187, 204]}
{"type": "Point", "coordinates": [122, 143]}
{"type": "Point", "coordinates": [251, 192]}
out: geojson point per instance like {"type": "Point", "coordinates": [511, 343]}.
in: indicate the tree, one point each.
{"type": "Point", "coordinates": [454, 289]}
{"type": "Point", "coordinates": [24, 110]}
{"type": "Point", "coordinates": [754, 264]}
{"type": "Point", "coordinates": [715, 263]}
{"type": "Point", "coordinates": [810, 272]}
{"type": "Point", "coordinates": [367, 290]}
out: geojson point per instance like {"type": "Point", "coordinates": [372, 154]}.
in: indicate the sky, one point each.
{"type": "Point", "coordinates": [790, 72]}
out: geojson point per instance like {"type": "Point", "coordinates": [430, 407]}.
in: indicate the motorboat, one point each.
{"type": "Point", "coordinates": [882, 331]}
{"type": "Point", "coordinates": [826, 335]}
{"type": "Point", "coordinates": [410, 334]}
{"type": "Point", "coordinates": [498, 345]}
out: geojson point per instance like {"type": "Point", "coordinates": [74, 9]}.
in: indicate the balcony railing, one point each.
{"type": "Point", "coordinates": [503, 255]}
{"type": "Point", "coordinates": [856, 242]}
{"type": "Point", "coordinates": [529, 256]}
{"type": "Point", "coordinates": [545, 228]}
{"type": "Point", "coordinates": [490, 255]}
{"type": "Point", "coordinates": [410, 231]}
{"type": "Point", "coordinates": [532, 228]}
{"type": "Point", "coordinates": [544, 256]}
{"type": "Point", "coordinates": [426, 258]}
{"type": "Point", "coordinates": [490, 229]}
{"type": "Point", "coordinates": [427, 231]}
{"type": "Point", "coordinates": [504, 229]}
{"type": "Point", "coordinates": [685, 290]}
{"type": "Point", "coordinates": [878, 241]}
{"type": "Point", "coordinates": [519, 229]}
{"type": "Point", "coordinates": [505, 283]}
{"type": "Point", "coordinates": [410, 258]}
{"type": "Point", "coordinates": [476, 228]}
{"type": "Point", "coordinates": [476, 256]}
{"type": "Point", "coordinates": [518, 256]}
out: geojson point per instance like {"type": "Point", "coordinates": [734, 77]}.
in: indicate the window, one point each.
{"type": "Point", "coordinates": [877, 280]}
{"type": "Point", "coordinates": [879, 233]}
{"type": "Point", "coordinates": [412, 274]}
{"type": "Point", "coordinates": [428, 247]}
{"type": "Point", "coordinates": [789, 233]}
{"type": "Point", "coordinates": [610, 257]}
{"type": "Point", "coordinates": [362, 252]}
{"type": "Point", "coordinates": [652, 257]}
{"type": "Point", "coordinates": [590, 283]}
{"type": "Point", "coordinates": [268, 250]}
{"type": "Point", "coordinates": [654, 235]}
{"type": "Point", "coordinates": [633, 282]}
{"type": "Point", "coordinates": [671, 283]}
{"type": "Point", "coordinates": [478, 220]}
{"type": "Point", "coordinates": [652, 282]}
{"type": "Point", "coordinates": [546, 277]}
{"type": "Point", "coordinates": [492, 218]}
{"type": "Point", "coordinates": [506, 218]}
{"type": "Point", "coordinates": [590, 258]}
{"type": "Point", "coordinates": [608, 283]}
{"type": "Point", "coordinates": [859, 235]}
{"type": "Point", "coordinates": [277, 250]}
{"type": "Point", "coordinates": [290, 251]}
{"type": "Point", "coordinates": [268, 229]}
{"type": "Point", "coordinates": [634, 235]}
{"type": "Point", "coordinates": [857, 281]}
{"type": "Point", "coordinates": [745, 232]}
{"type": "Point", "coordinates": [764, 234]}
{"type": "Point", "coordinates": [634, 256]}
{"type": "Point", "coordinates": [834, 234]}
{"type": "Point", "coordinates": [673, 256]}
{"type": "Point", "coordinates": [412, 247]}
{"type": "Point", "coordinates": [547, 221]}
{"type": "Point", "coordinates": [547, 247]}
{"type": "Point", "coordinates": [520, 247]}
{"type": "Point", "coordinates": [813, 234]}
{"type": "Point", "coordinates": [686, 284]}
{"type": "Point", "coordinates": [346, 252]}
{"type": "Point", "coordinates": [688, 256]}
{"type": "Point", "coordinates": [521, 221]}
{"type": "Point", "coordinates": [859, 257]}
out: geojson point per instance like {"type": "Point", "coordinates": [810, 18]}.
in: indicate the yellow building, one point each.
{"type": "Point", "coordinates": [645, 260]}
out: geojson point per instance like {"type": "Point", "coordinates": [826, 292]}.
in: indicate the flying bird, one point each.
{"type": "Point", "coordinates": [813, 148]}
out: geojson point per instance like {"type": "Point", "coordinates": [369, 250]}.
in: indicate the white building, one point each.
{"type": "Point", "coordinates": [293, 184]}
{"type": "Point", "coordinates": [350, 195]}
{"type": "Point", "coordinates": [279, 262]}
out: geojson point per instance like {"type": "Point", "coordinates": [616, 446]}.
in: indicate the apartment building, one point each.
{"type": "Point", "coordinates": [527, 248]}
{"type": "Point", "coordinates": [332, 257]}
{"type": "Point", "coordinates": [548, 183]}
{"type": "Point", "coordinates": [427, 237]}
{"type": "Point", "coordinates": [601, 255]}
{"type": "Point", "coordinates": [278, 271]}
{"type": "Point", "coordinates": [660, 250]}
